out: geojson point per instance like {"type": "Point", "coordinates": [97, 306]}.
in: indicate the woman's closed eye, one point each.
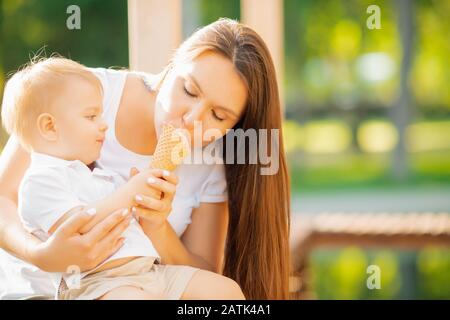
{"type": "Point", "coordinates": [216, 116]}
{"type": "Point", "coordinates": [190, 94]}
{"type": "Point", "coordinates": [213, 112]}
{"type": "Point", "coordinates": [91, 117]}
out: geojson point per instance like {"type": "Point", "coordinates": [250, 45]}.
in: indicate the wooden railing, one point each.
{"type": "Point", "coordinates": [392, 230]}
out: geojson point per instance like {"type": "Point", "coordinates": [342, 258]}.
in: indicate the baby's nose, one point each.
{"type": "Point", "coordinates": [104, 127]}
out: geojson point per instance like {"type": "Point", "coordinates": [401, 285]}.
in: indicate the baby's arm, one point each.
{"type": "Point", "coordinates": [123, 197]}
{"type": "Point", "coordinates": [102, 208]}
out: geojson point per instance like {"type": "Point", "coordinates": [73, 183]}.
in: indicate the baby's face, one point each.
{"type": "Point", "coordinates": [81, 129]}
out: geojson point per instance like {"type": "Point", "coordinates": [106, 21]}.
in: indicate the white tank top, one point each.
{"type": "Point", "coordinates": [197, 183]}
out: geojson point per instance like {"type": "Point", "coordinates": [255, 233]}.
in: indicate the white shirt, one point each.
{"type": "Point", "coordinates": [52, 186]}
{"type": "Point", "coordinates": [197, 184]}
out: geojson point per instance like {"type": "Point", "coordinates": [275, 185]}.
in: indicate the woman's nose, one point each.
{"type": "Point", "coordinates": [193, 115]}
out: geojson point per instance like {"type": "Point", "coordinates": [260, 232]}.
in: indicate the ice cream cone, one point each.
{"type": "Point", "coordinates": [172, 148]}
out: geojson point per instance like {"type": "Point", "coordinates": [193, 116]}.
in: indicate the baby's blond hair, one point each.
{"type": "Point", "coordinates": [29, 93]}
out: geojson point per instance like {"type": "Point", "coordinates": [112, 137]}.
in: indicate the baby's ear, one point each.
{"type": "Point", "coordinates": [133, 171]}
{"type": "Point", "coordinates": [46, 126]}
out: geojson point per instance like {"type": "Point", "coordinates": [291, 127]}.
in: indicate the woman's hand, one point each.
{"type": "Point", "coordinates": [153, 211]}
{"type": "Point", "coordinates": [67, 247]}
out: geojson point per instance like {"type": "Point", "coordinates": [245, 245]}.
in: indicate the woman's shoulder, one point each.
{"type": "Point", "coordinates": [110, 78]}
{"type": "Point", "coordinates": [107, 72]}
{"type": "Point", "coordinates": [112, 82]}
{"type": "Point", "coordinates": [108, 75]}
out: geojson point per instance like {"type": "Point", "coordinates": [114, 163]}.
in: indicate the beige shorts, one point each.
{"type": "Point", "coordinates": [165, 281]}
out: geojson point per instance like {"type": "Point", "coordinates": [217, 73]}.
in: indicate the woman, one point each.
{"type": "Point", "coordinates": [221, 77]}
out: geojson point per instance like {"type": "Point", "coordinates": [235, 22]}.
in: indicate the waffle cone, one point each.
{"type": "Point", "coordinates": [171, 149]}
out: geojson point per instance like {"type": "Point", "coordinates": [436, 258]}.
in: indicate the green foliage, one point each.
{"type": "Point", "coordinates": [434, 273]}
{"type": "Point", "coordinates": [327, 53]}
{"type": "Point", "coordinates": [342, 274]}
{"type": "Point", "coordinates": [102, 40]}
{"type": "Point", "coordinates": [197, 13]}
{"type": "Point", "coordinates": [28, 27]}
{"type": "Point", "coordinates": [210, 11]}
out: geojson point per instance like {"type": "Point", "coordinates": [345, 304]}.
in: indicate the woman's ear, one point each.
{"type": "Point", "coordinates": [46, 125]}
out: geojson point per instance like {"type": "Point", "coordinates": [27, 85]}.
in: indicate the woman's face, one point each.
{"type": "Point", "coordinates": [207, 93]}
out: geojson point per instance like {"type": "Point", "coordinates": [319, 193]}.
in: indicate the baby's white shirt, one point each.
{"type": "Point", "coordinates": [52, 186]}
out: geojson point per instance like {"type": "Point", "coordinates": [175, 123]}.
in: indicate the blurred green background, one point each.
{"type": "Point", "coordinates": [364, 130]}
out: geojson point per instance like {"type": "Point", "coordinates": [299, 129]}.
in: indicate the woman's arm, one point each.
{"type": "Point", "coordinates": [13, 238]}
{"type": "Point", "coordinates": [66, 246]}
{"type": "Point", "coordinates": [202, 244]}
{"type": "Point", "coordinates": [205, 236]}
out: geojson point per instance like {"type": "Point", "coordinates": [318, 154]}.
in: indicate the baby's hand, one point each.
{"type": "Point", "coordinates": [138, 183]}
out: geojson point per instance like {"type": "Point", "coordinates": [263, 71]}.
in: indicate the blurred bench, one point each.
{"type": "Point", "coordinates": [367, 230]}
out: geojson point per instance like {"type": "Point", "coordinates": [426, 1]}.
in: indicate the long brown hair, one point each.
{"type": "Point", "coordinates": [257, 245]}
